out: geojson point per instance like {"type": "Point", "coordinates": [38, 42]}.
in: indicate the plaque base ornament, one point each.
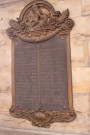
{"type": "Point", "coordinates": [42, 118]}
{"type": "Point", "coordinates": [39, 22]}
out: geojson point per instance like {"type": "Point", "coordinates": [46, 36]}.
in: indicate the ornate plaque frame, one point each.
{"type": "Point", "coordinates": [39, 22]}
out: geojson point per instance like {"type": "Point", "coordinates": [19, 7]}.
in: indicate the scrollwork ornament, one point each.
{"type": "Point", "coordinates": [39, 22]}
{"type": "Point", "coordinates": [43, 118]}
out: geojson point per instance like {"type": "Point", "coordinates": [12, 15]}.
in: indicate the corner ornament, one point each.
{"type": "Point", "coordinates": [39, 22]}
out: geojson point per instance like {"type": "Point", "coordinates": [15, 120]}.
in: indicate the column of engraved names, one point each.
{"type": "Point", "coordinates": [53, 76]}
{"type": "Point", "coordinates": [26, 76]}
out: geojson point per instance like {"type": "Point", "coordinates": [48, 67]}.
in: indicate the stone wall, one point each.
{"type": "Point", "coordinates": [80, 58]}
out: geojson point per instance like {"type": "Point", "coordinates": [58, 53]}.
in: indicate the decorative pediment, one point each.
{"type": "Point", "coordinates": [38, 22]}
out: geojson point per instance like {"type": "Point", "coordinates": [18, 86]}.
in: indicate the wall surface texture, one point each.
{"type": "Point", "coordinates": [80, 58]}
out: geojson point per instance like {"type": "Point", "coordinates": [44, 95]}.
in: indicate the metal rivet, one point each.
{"type": "Point", "coordinates": [64, 107]}
{"type": "Point", "coordinates": [62, 38]}
{"type": "Point", "coordinates": [17, 105]}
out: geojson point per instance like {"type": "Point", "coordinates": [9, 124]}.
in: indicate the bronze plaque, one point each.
{"type": "Point", "coordinates": [41, 68]}
{"type": "Point", "coordinates": [41, 75]}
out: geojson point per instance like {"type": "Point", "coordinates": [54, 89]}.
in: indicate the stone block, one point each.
{"type": "Point", "coordinates": [89, 51]}
{"type": "Point", "coordinates": [81, 29]}
{"type": "Point", "coordinates": [85, 7]}
{"type": "Point", "coordinates": [77, 53]}
{"type": "Point", "coordinates": [86, 53]}
{"type": "Point", "coordinates": [5, 100]}
{"type": "Point", "coordinates": [5, 42]}
{"type": "Point", "coordinates": [80, 98]}
{"type": "Point", "coordinates": [5, 81]}
{"type": "Point", "coordinates": [5, 58]}
{"type": "Point", "coordinates": [74, 6]}
{"type": "Point", "coordinates": [81, 79]}
{"type": "Point", "coordinates": [9, 12]}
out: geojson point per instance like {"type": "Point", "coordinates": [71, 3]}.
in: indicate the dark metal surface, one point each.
{"type": "Point", "coordinates": [53, 75]}
{"type": "Point", "coordinates": [26, 75]}
{"type": "Point", "coordinates": [41, 75]}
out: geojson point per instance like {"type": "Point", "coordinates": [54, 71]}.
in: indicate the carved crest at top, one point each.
{"type": "Point", "coordinates": [38, 22]}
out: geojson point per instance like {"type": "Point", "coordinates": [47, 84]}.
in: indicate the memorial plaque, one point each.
{"type": "Point", "coordinates": [41, 69]}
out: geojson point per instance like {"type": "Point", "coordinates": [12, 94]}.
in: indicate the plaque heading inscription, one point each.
{"type": "Point", "coordinates": [41, 69]}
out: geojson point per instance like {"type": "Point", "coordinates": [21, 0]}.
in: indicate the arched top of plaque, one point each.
{"type": "Point", "coordinates": [39, 22]}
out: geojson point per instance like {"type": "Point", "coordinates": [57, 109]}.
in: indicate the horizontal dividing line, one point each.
{"type": "Point", "coordinates": [25, 65]}
{"type": "Point", "coordinates": [81, 94]}
{"type": "Point", "coordinates": [52, 87]}
{"type": "Point", "coordinates": [54, 97]}
{"type": "Point", "coordinates": [35, 83]}
{"type": "Point", "coordinates": [50, 84]}
{"type": "Point", "coordinates": [29, 76]}
{"type": "Point", "coordinates": [53, 93]}
{"type": "Point", "coordinates": [4, 92]}
{"type": "Point", "coordinates": [26, 75]}
{"type": "Point", "coordinates": [55, 68]}
{"type": "Point", "coordinates": [51, 70]}
{"type": "Point", "coordinates": [51, 73]}
{"type": "Point", "coordinates": [18, 81]}
{"type": "Point", "coordinates": [49, 103]}
{"type": "Point", "coordinates": [44, 79]}
{"type": "Point", "coordinates": [26, 62]}
{"type": "Point", "coordinates": [23, 92]}
{"type": "Point", "coordinates": [19, 96]}
{"type": "Point", "coordinates": [24, 58]}
{"type": "Point", "coordinates": [50, 49]}
{"type": "Point", "coordinates": [54, 56]}
{"type": "Point", "coordinates": [26, 96]}
{"type": "Point", "coordinates": [26, 51]}
{"type": "Point", "coordinates": [26, 101]}
{"type": "Point", "coordinates": [52, 101]}
{"type": "Point", "coordinates": [24, 83]}
{"type": "Point", "coordinates": [24, 71]}
{"type": "Point", "coordinates": [25, 68]}
{"type": "Point", "coordinates": [20, 89]}
{"type": "Point", "coordinates": [52, 63]}
{"type": "Point", "coordinates": [49, 64]}
{"type": "Point", "coordinates": [32, 84]}
{"type": "Point", "coordinates": [22, 95]}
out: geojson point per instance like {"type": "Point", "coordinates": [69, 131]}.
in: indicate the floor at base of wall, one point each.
{"type": "Point", "coordinates": [12, 131]}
